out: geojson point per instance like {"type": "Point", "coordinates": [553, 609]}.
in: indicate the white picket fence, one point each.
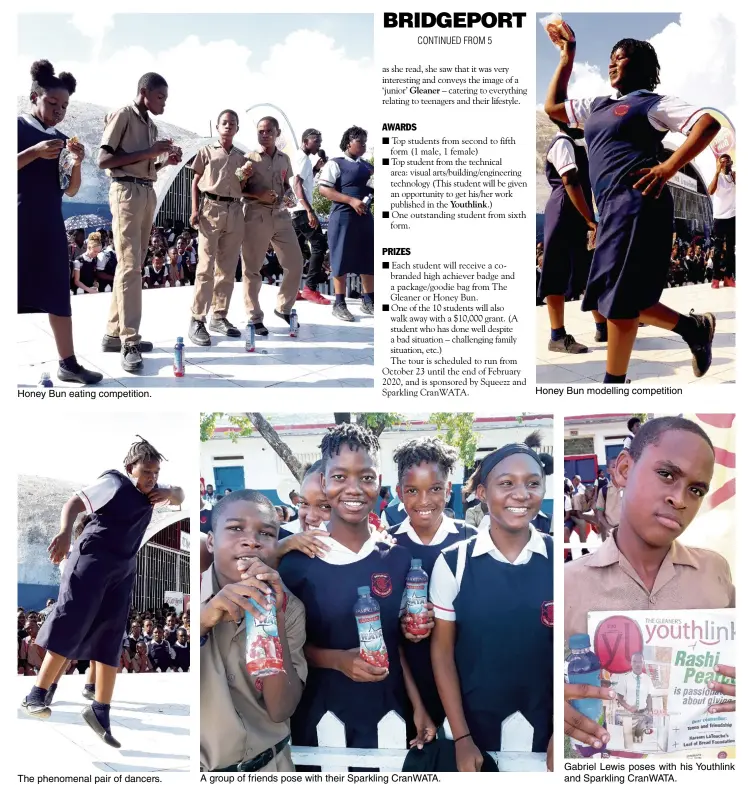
{"type": "Point", "coordinates": [332, 756]}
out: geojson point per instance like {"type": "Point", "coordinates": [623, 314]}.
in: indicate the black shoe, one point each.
{"type": "Point", "coordinates": [341, 312]}
{"type": "Point", "coordinates": [602, 336]}
{"type": "Point", "coordinates": [79, 375]}
{"type": "Point", "coordinates": [198, 333]}
{"type": "Point", "coordinates": [567, 345]}
{"type": "Point", "coordinates": [105, 734]}
{"type": "Point", "coordinates": [36, 710]}
{"type": "Point", "coordinates": [367, 308]}
{"type": "Point", "coordinates": [701, 342]}
{"type": "Point", "coordinates": [287, 318]}
{"type": "Point", "coordinates": [89, 694]}
{"type": "Point", "coordinates": [130, 357]}
{"type": "Point", "coordinates": [114, 345]}
{"type": "Point", "coordinates": [223, 326]}
{"type": "Point", "coordinates": [260, 329]}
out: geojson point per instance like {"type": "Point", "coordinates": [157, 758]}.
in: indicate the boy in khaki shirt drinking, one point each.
{"type": "Point", "coordinates": [245, 721]}
{"type": "Point", "coordinates": [220, 222]}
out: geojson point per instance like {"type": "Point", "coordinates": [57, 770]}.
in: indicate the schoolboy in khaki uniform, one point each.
{"type": "Point", "coordinates": [129, 150]}
{"type": "Point", "coordinates": [267, 220]}
{"type": "Point", "coordinates": [245, 721]}
{"type": "Point", "coordinates": [220, 222]}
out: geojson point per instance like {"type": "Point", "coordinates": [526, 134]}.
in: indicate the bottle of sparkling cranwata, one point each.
{"type": "Point", "coordinates": [179, 358]}
{"type": "Point", "coordinates": [294, 324]}
{"type": "Point", "coordinates": [583, 668]}
{"type": "Point", "coordinates": [370, 636]}
{"type": "Point", "coordinates": [264, 651]}
{"type": "Point", "coordinates": [416, 596]}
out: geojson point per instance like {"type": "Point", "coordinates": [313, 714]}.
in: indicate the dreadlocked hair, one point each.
{"type": "Point", "coordinates": [142, 451]}
{"type": "Point", "coordinates": [643, 68]}
{"type": "Point", "coordinates": [429, 450]}
{"type": "Point", "coordinates": [350, 435]}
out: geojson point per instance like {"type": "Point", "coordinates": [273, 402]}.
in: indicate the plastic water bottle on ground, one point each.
{"type": "Point", "coordinates": [179, 358]}
{"type": "Point", "coordinates": [46, 381]}
{"type": "Point", "coordinates": [249, 345]}
{"type": "Point", "coordinates": [416, 597]}
{"type": "Point", "coordinates": [583, 668]}
{"type": "Point", "coordinates": [294, 324]}
{"type": "Point", "coordinates": [369, 623]}
{"type": "Point", "coordinates": [264, 652]}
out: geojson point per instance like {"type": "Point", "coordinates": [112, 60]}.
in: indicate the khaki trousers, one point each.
{"type": "Point", "coordinates": [221, 229]}
{"type": "Point", "coordinates": [263, 225]}
{"type": "Point", "coordinates": [133, 208]}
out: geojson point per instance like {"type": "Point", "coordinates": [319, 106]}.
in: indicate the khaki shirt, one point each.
{"type": "Point", "coordinates": [234, 724]}
{"type": "Point", "coordinates": [269, 173]}
{"type": "Point", "coordinates": [689, 579]}
{"type": "Point", "coordinates": [610, 505]}
{"type": "Point", "coordinates": [128, 131]}
{"type": "Point", "coordinates": [218, 167]}
{"type": "Point", "coordinates": [579, 502]}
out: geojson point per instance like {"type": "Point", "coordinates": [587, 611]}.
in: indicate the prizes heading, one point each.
{"type": "Point", "coordinates": [459, 19]}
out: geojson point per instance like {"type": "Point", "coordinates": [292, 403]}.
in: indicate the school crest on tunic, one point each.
{"type": "Point", "coordinates": [381, 584]}
{"type": "Point", "coordinates": [546, 614]}
{"type": "Point", "coordinates": [621, 110]}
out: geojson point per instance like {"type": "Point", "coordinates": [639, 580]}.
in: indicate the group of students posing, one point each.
{"type": "Point", "coordinates": [623, 167]}
{"type": "Point", "coordinates": [490, 610]}
{"type": "Point", "coordinates": [239, 204]}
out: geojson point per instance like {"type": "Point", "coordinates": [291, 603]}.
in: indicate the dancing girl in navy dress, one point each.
{"type": "Point", "coordinates": [43, 266]}
{"type": "Point", "coordinates": [624, 136]}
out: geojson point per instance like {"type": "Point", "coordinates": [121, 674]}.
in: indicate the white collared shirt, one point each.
{"type": "Point", "coordinates": [339, 555]}
{"type": "Point", "coordinates": [445, 528]}
{"type": "Point", "coordinates": [331, 171]}
{"type": "Point", "coordinates": [561, 155]}
{"type": "Point", "coordinates": [292, 527]}
{"type": "Point", "coordinates": [39, 126]}
{"type": "Point", "coordinates": [98, 494]}
{"type": "Point", "coordinates": [445, 586]}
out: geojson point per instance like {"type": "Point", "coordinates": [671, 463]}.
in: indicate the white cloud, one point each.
{"type": "Point", "coordinates": [313, 79]}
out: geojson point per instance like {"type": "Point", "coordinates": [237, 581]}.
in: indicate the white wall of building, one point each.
{"type": "Point", "coordinates": [603, 433]}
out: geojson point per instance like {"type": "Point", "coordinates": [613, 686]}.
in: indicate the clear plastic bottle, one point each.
{"type": "Point", "coordinates": [46, 381]}
{"type": "Point", "coordinates": [294, 324]}
{"type": "Point", "coordinates": [583, 668]}
{"type": "Point", "coordinates": [264, 652]}
{"type": "Point", "coordinates": [179, 358]}
{"type": "Point", "coordinates": [370, 636]}
{"type": "Point", "coordinates": [416, 596]}
{"type": "Point", "coordinates": [249, 345]}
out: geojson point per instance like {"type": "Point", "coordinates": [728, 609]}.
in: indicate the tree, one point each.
{"type": "Point", "coordinates": [457, 430]}
{"type": "Point", "coordinates": [320, 204]}
{"type": "Point", "coordinates": [378, 423]}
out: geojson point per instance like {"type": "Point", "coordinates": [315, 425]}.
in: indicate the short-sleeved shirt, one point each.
{"type": "Point", "coordinates": [127, 130]}
{"type": "Point", "coordinates": [234, 723]}
{"type": "Point", "coordinates": [561, 155]}
{"type": "Point", "coordinates": [579, 502]}
{"type": "Point", "coordinates": [689, 578]}
{"type": "Point", "coordinates": [609, 504]}
{"type": "Point", "coordinates": [670, 114]}
{"type": "Point", "coordinates": [635, 689]}
{"type": "Point", "coordinates": [218, 167]}
{"type": "Point", "coordinates": [269, 172]}
{"type": "Point", "coordinates": [723, 199]}
{"type": "Point", "coordinates": [302, 168]}
{"type": "Point", "coordinates": [330, 173]}
{"type": "Point", "coordinates": [32, 653]}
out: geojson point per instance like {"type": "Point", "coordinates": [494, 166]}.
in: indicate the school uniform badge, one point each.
{"type": "Point", "coordinates": [621, 110]}
{"type": "Point", "coordinates": [381, 585]}
{"type": "Point", "coordinates": [546, 614]}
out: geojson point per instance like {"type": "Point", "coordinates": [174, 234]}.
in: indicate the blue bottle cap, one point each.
{"type": "Point", "coordinates": [180, 339]}
{"type": "Point", "coordinates": [579, 642]}
{"type": "Point", "coordinates": [364, 590]}
{"type": "Point", "coordinates": [415, 563]}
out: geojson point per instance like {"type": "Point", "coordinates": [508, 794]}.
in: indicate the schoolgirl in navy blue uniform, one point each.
{"type": "Point", "coordinates": [94, 601]}
{"type": "Point", "coordinates": [624, 136]}
{"type": "Point", "coordinates": [340, 681]}
{"type": "Point", "coordinates": [350, 232]}
{"type": "Point", "coordinates": [492, 646]}
{"type": "Point", "coordinates": [568, 219]}
{"type": "Point", "coordinates": [424, 466]}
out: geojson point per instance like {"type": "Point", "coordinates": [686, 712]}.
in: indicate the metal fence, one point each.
{"type": "Point", "coordinates": [159, 569]}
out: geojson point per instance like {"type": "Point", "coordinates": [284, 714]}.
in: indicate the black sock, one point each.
{"type": "Point", "coordinates": [339, 299]}
{"type": "Point", "coordinates": [558, 334]}
{"type": "Point", "coordinates": [686, 327]}
{"type": "Point", "coordinates": [614, 379]}
{"type": "Point", "coordinates": [102, 714]}
{"type": "Point", "coordinates": [52, 687]}
{"type": "Point", "coordinates": [37, 695]}
{"type": "Point", "coordinates": [70, 363]}
{"type": "Point", "coordinates": [368, 298]}
{"type": "Point", "coordinates": [602, 326]}
{"type": "Point", "coordinates": [89, 688]}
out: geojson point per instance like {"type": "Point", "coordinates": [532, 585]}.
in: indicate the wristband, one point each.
{"type": "Point", "coordinates": [462, 738]}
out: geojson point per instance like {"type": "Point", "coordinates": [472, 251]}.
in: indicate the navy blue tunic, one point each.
{"type": "Point", "coordinates": [43, 264]}
{"type": "Point", "coordinates": [182, 658]}
{"type": "Point", "coordinates": [159, 654]}
{"type": "Point", "coordinates": [94, 601]}
{"type": "Point", "coordinates": [504, 644]}
{"type": "Point", "coordinates": [418, 654]}
{"type": "Point", "coordinates": [350, 235]}
{"type": "Point", "coordinates": [634, 234]}
{"type": "Point", "coordinates": [329, 592]}
{"type": "Point", "coordinates": [566, 260]}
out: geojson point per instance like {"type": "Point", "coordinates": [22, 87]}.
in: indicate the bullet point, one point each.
{"type": "Point", "coordinates": [385, 214]}
{"type": "Point", "coordinates": [385, 307]}
{"type": "Point", "coordinates": [386, 265]}
{"type": "Point", "coordinates": [385, 140]}
{"type": "Point", "coordinates": [385, 161]}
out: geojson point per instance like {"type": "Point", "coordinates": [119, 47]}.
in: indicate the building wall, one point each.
{"type": "Point", "coordinates": [610, 430]}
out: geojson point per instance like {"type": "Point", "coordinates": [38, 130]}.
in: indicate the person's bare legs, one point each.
{"type": "Point", "coordinates": [621, 338]}
{"type": "Point", "coordinates": [62, 671]}
{"type": "Point", "coordinates": [659, 315]}
{"type": "Point", "coordinates": [48, 674]}
{"type": "Point", "coordinates": [339, 283]}
{"type": "Point", "coordinates": [555, 304]}
{"type": "Point", "coordinates": [106, 676]}
{"type": "Point", "coordinates": [62, 328]}
{"type": "Point", "coordinates": [91, 673]}
{"type": "Point", "coordinates": [367, 280]}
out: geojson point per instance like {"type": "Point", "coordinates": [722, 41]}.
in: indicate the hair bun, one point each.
{"type": "Point", "coordinates": [42, 71]}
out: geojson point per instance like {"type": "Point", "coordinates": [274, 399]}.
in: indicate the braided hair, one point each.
{"type": "Point", "coordinates": [428, 450]}
{"type": "Point", "coordinates": [43, 79]}
{"type": "Point", "coordinates": [141, 451]}
{"type": "Point", "coordinates": [351, 134]}
{"type": "Point", "coordinates": [350, 435]}
{"type": "Point", "coordinates": [643, 68]}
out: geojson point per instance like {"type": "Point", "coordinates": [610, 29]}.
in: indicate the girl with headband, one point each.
{"type": "Point", "coordinates": [492, 645]}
